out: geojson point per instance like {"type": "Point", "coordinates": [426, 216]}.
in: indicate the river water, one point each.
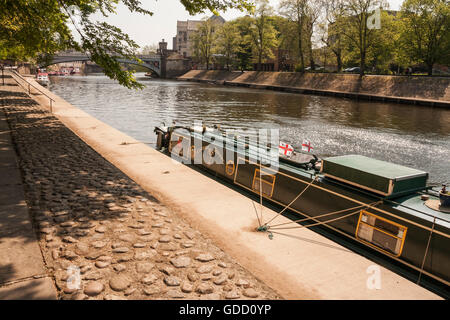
{"type": "Point", "coordinates": [414, 136]}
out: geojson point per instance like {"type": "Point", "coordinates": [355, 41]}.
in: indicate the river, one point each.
{"type": "Point", "coordinates": [414, 136]}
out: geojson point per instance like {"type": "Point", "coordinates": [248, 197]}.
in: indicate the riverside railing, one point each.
{"type": "Point", "coordinates": [29, 88]}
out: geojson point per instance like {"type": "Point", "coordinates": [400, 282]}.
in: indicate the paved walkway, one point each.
{"type": "Point", "coordinates": [96, 224]}
{"type": "Point", "coordinates": [22, 271]}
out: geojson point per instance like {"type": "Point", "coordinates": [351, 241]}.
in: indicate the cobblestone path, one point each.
{"type": "Point", "coordinates": [94, 221]}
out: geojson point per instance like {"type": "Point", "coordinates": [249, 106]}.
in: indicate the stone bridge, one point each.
{"type": "Point", "coordinates": [154, 62]}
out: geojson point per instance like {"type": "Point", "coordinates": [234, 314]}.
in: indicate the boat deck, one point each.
{"type": "Point", "coordinates": [413, 205]}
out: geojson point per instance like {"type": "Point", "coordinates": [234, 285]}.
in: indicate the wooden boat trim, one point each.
{"type": "Point", "coordinates": [373, 227]}
{"type": "Point", "coordinates": [361, 186]}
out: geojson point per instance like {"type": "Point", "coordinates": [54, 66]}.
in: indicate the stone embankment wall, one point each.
{"type": "Point", "coordinates": [412, 89]}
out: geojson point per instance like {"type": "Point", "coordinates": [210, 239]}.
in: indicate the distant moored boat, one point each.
{"type": "Point", "coordinates": [42, 78]}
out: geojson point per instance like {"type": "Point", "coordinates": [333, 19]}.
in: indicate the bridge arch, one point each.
{"type": "Point", "coordinates": [145, 64]}
{"type": "Point", "coordinates": [65, 59]}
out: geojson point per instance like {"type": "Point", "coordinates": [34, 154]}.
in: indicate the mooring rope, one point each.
{"type": "Point", "coordinates": [260, 194]}
{"type": "Point", "coordinates": [426, 251]}
{"type": "Point", "coordinates": [256, 212]}
{"type": "Point", "coordinates": [318, 223]}
{"type": "Point", "coordinates": [286, 207]}
{"type": "Point", "coordinates": [326, 214]}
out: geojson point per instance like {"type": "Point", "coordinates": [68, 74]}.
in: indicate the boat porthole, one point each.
{"type": "Point", "coordinates": [229, 168]}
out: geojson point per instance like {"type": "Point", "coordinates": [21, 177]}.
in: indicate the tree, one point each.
{"type": "Point", "coordinates": [426, 31]}
{"type": "Point", "coordinates": [312, 14]}
{"type": "Point", "coordinates": [244, 54]}
{"type": "Point", "coordinates": [262, 32]}
{"type": "Point", "coordinates": [331, 29]}
{"type": "Point", "coordinates": [385, 52]}
{"type": "Point", "coordinates": [295, 11]}
{"type": "Point", "coordinates": [228, 42]}
{"type": "Point", "coordinates": [36, 30]}
{"type": "Point", "coordinates": [203, 40]}
{"type": "Point", "coordinates": [354, 26]}
{"type": "Point", "coordinates": [149, 49]}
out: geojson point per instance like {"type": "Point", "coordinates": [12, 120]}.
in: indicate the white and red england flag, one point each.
{"type": "Point", "coordinates": [285, 149]}
{"type": "Point", "coordinates": [306, 146]}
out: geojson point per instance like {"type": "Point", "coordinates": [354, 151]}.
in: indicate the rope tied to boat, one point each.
{"type": "Point", "coordinates": [362, 206]}
{"type": "Point", "coordinates": [295, 199]}
{"type": "Point", "coordinates": [267, 228]}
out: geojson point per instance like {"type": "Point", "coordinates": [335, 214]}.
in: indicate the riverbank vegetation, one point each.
{"type": "Point", "coordinates": [363, 36]}
{"type": "Point", "coordinates": [35, 30]}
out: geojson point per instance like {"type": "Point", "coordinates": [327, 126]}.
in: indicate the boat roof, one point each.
{"type": "Point", "coordinates": [376, 167]}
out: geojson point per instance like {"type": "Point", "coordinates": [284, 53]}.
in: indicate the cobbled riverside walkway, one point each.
{"type": "Point", "coordinates": [91, 218]}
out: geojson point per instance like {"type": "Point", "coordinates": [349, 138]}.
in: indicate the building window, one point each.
{"type": "Point", "coordinates": [267, 182]}
{"type": "Point", "coordinates": [381, 233]}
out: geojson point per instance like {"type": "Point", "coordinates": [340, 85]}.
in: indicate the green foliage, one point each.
{"type": "Point", "coordinates": [228, 42]}
{"type": "Point", "coordinates": [295, 12]}
{"type": "Point", "coordinates": [353, 26]}
{"type": "Point", "coordinates": [384, 51]}
{"type": "Point", "coordinates": [35, 30]}
{"type": "Point", "coordinates": [263, 35]}
{"type": "Point", "coordinates": [203, 41]}
{"type": "Point", "coordinates": [244, 53]}
{"type": "Point", "coordinates": [426, 31]}
{"type": "Point", "coordinates": [201, 6]}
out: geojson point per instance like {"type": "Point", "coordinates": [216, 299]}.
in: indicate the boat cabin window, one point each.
{"type": "Point", "coordinates": [267, 183]}
{"type": "Point", "coordinates": [381, 233]}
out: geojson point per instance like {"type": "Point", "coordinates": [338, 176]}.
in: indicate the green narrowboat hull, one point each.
{"type": "Point", "coordinates": [401, 228]}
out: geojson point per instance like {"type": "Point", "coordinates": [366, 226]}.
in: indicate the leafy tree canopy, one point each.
{"type": "Point", "coordinates": [37, 29]}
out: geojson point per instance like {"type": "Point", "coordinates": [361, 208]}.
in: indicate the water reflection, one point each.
{"type": "Point", "coordinates": [406, 134]}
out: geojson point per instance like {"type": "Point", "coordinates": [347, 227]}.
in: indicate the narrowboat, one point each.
{"type": "Point", "coordinates": [42, 78]}
{"type": "Point", "coordinates": [383, 206]}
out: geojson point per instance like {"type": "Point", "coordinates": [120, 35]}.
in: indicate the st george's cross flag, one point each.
{"type": "Point", "coordinates": [306, 146]}
{"type": "Point", "coordinates": [285, 149]}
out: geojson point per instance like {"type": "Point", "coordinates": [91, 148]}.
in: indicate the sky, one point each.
{"type": "Point", "coordinates": [149, 30]}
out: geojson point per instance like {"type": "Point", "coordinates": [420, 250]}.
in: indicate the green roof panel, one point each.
{"type": "Point", "coordinates": [374, 175]}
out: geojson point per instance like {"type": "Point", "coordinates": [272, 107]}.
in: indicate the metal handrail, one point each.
{"type": "Point", "coordinates": [29, 89]}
